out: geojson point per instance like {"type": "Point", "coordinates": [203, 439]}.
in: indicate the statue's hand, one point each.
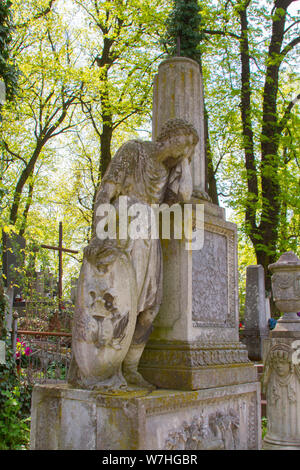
{"type": "Point", "coordinates": [201, 195]}
{"type": "Point", "coordinates": [91, 250]}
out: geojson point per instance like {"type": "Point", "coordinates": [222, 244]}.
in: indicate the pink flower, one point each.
{"type": "Point", "coordinates": [28, 351]}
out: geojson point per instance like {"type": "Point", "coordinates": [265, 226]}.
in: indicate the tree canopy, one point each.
{"type": "Point", "coordinates": [8, 70]}
{"type": "Point", "coordinates": [85, 79]}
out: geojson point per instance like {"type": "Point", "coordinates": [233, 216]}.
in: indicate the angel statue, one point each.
{"type": "Point", "coordinates": [119, 291]}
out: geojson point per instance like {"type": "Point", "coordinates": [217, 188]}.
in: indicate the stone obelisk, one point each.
{"type": "Point", "coordinates": [178, 93]}
{"type": "Point", "coordinates": [195, 342]}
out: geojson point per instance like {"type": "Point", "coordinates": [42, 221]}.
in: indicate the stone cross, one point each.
{"type": "Point", "coordinates": [12, 259]}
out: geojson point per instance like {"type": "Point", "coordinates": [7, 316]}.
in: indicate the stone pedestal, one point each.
{"type": "Point", "coordinates": [219, 418]}
{"type": "Point", "coordinates": [256, 312]}
{"type": "Point", "coordinates": [281, 379]}
{"type": "Point", "coordinates": [195, 342]}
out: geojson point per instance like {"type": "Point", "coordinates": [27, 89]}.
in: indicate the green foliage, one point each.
{"type": "Point", "coordinates": [3, 306]}
{"type": "Point", "coordinates": [184, 24]}
{"type": "Point", "coordinates": [14, 429]}
{"type": "Point", "coordinates": [264, 425]}
{"type": "Point", "coordinates": [105, 54]}
{"type": "Point", "coordinates": [255, 151]}
{"type": "Point", "coordinates": [8, 71]}
{"type": "Point", "coordinates": [56, 370]}
{"type": "Point", "coordinates": [15, 402]}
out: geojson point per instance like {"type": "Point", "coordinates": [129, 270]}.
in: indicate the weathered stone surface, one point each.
{"type": "Point", "coordinates": [256, 313]}
{"type": "Point", "coordinates": [281, 379]}
{"type": "Point", "coordinates": [193, 309]}
{"type": "Point", "coordinates": [195, 342]}
{"type": "Point", "coordinates": [210, 286]}
{"type": "Point", "coordinates": [282, 387]}
{"type": "Point", "coordinates": [178, 93]}
{"type": "Point", "coordinates": [2, 352]}
{"type": "Point", "coordinates": [120, 283]}
{"type": "Point", "coordinates": [190, 366]}
{"type": "Point", "coordinates": [218, 418]}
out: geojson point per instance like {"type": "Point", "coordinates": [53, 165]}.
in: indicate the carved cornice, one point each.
{"type": "Point", "coordinates": [194, 358]}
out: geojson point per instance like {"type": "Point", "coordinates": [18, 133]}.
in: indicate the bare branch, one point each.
{"type": "Point", "coordinates": [221, 33]}
{"type": "Point", "coordinates": [13, 154]}
{"type": "Point", "coordinates": [290, 46]}
{"type": "Point", "coordinates": [39, 15]}
{"type": "Point", "coordinates": [285, 118]}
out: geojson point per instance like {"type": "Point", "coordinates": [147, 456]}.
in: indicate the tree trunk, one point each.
{"type": "Point", "coordinates": [211, 181]}
{"type": "Point", "coordinates": [28, 170]}
{"type": "Point", "coordinates": [248, 140]}
{"type": "Point", "coordinates": [270, 138]}
{"type": "Point", "coordinates": [27, 207]}
{"type": "Point", "coordinates": [264, 236]}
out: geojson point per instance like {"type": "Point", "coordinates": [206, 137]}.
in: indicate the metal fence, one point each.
{"type": "Point", "coordinates": [41, 356]}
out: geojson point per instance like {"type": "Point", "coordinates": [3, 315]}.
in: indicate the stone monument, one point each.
{"type": "Point", "coordinates": [195, 344]}
{"type": "Point", "coordinates": [207, 394]}
{"type": "Point", "coordinates": [13, 261]}
{"type": "Point", "coordinates": [257, 312]}
{"type": "Point", "coordinates": [281, 378]}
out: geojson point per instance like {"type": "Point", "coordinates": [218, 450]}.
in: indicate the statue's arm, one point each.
{"type": "Point", "coordinates": [106, 193]}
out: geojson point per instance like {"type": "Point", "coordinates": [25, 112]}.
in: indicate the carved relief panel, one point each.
{"type": "Point", "coordinates": [214, 280]}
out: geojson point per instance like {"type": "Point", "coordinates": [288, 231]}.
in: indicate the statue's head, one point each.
{"type": "Point", "coordinates": [176, 141]}
{"type": "Point", "coordinates": [281, 361]}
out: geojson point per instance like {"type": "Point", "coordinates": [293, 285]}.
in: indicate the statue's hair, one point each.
{"type": "Point", "coordinates": [280, 354]}
{"type": "Point", "coordinates": [177, 126]}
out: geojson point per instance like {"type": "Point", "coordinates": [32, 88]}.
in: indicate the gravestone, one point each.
{"type": "Point", "coordinates": [178, 93]}
{"type": "Point", "coordinates": [50, 283]}
{"type": "Point", "coordinates": [12, 261]}
{"type": "Point", "coordinates": [257, 312]}
{"type": "Point", "coordinates": [74, 281]}
{"type": "Point", "coordinates": [39, 285]}
{"type": "Point", "coordinates": [208, 394]}
{"type": "Point", "coordinates": [2, 352]}
{"type": "Point", "coordinates": [195, 343]}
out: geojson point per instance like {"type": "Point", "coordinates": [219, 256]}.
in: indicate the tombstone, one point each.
{"type": "Point", "coordinates": [2, 352]}
{"type": "Point", "coordinates": [74, 281]}
{"type": "Point", "coordinates": [12, 259]}
{"type": "Point", "coordinates": [54, 322]}
{"type": "Point", "coordinates": [39, 285]}
{"type": "Point", "coordinates": [257, 312]}
{"type": "Point", "coordinates": [281, 379]}
{"type": "Point", "coordinates": [49, 284]}
{"type": "Point", "coordinates": [208, 394]}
